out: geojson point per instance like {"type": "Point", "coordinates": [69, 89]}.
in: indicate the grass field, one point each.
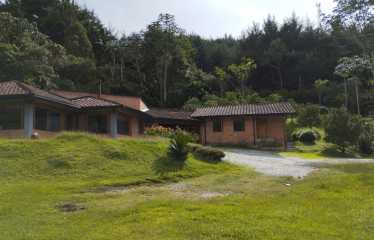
{"type": "Point", "coordinates": [81, 187]}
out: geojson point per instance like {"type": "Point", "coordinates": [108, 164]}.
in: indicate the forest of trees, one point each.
{"type": "Point", "coordinates": [59, 44]}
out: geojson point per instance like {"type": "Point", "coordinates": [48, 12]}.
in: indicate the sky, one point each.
{"type": "Point", "coordinates": [208, 18]}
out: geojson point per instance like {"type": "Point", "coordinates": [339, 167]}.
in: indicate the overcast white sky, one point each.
{"type": "Point", "coordinates": [209, 18]}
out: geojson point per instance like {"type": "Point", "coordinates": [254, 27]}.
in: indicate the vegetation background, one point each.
{"type": "Point", "coordinates": [59, 44]}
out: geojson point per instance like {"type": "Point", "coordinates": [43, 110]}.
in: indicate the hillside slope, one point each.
{"type": "Point", "coordinates": [85, 157]}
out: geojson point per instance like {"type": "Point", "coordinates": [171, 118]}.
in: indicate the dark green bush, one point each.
{"type": "Point", "coordinates": [306, 135]}
{"type": "Point", "coordinates": [366, 139]}
{"type": "Point", "coordinates": [365, 144]}
{"type": "Point", "coordinates": [291, 126]}
{"type": "Point", "coordinates": [342, 128]}
{"type": "Point", "coordinates": [206, 153]}
{"type": "Point", "coordinates": [308, 116]}
{"type": "Point", "coordinates": [178, 145]}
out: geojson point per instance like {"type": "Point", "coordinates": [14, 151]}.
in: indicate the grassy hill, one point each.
{"type": "Point", "coordinates": [86, 158]}
{"type": "Point", "coordinates": [77, 186]}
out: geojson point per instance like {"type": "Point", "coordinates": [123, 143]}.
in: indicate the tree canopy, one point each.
{"type": "Point", "coordinates": [57, 43]}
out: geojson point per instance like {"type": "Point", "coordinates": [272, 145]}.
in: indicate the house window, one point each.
{"type": "Point", "coordinates": [41, 121]}
{"type": "Point", "coordinates": [239, 125]}
{"type": "Point", "coordinates": [54, 122]}
{"type": "Point", "coordinates": [11, 118]}
{"type": "Point", "coordinates": [97, 124]}
{"type": "Point", "coordinates": [47, 120]}
{"type": "Point", "coordinates": [217, 126]}
{"type": "Point", "coordinates": [123, 127]}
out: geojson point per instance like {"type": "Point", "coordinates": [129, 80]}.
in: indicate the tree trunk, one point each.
{"type": "Point", "coordinates": [122, 70]}
{"type": "Point", "coordinates": [280, 77]}
{"type": "Point", "coordinates": [165, 79]}
{"type": "Point", "coordinates": [357, 97]}
{"type": "Point", "coordinates": [346, 92]}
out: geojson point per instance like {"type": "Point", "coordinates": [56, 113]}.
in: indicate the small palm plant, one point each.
{"type": "Point", "coordinates": [178, 145]}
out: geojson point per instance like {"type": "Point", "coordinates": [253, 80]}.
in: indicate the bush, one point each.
{"type": "Point", "coordinates": [206, 153]}
{"type": "Point", "coordinates": [178, 145]}
{"type": "Point", "coordinates": [291, 126]}
{"type": "Point", "coordinates": [268, 143]}
{"type": "Point", "coordinates": [342, 128]}
{"type": "Point", "coordinates": [306, 135]}
{"type": "Point", "coordinates": [159, 131]}
{"type": "Point", "coordinates": [365, 144]}
{"type": "Point", "coordinates": [309, 116]}
{"type": "Point", "coordinates": [366, 139]}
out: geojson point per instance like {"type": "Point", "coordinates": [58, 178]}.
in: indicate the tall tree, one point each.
{"type": "Point", "coordinates": [242, 72]}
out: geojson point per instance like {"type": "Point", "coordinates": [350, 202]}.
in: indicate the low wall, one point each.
{"type": "Point", "coordinates": [12, 134]}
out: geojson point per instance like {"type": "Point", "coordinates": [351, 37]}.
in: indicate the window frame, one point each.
{"type": "Point", "coordinates": [239, 124]}
{"type": "Point", "coordinates": [96, 122]}
{"type": "Point", "coordinates": [219, 127]}
{"type": "Point", "coordinates": [15, 122]}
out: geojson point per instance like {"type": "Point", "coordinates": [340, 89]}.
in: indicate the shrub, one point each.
{"type": "Point", "coordinates": [365, 144]}
{"type": "Point", "coordinates": [306, 135]}
{"type": "Point", "coordinates": [309, 116]}
{"type": "Point", "coordinates": [178, 145]}
{"type": "Point", "coordinates": [159, 131]}
{"type": "Point", "coordinates": [291, 126]}
{"type": "Point", "coordinates": [342, 128]}
{"type": "Point", "coordinates": [206, 153]}
{"type": "Point", "coordinates": [268, 143]}
{"type": "Point", "coordinates": [366, 139]}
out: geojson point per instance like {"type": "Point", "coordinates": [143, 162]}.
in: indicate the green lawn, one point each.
{"type": "Point", "coordinates": [128, 189]}
{"type": "Point", "coordinates": [322, 150]}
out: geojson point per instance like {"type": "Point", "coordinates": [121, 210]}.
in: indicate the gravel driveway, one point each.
{"type": "Point", "coordinates": [276, 165]}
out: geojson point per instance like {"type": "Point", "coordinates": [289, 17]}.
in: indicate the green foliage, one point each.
{"type": "Point", "coordinates": [321, 87]}
{"type": "Point", "coordinates": [159, 131]}
{"type": "Point", "coordinates": [178, 145]}
{"type": "Point", "coordinates": [306, 135]}
{"type": "Point", "coordinates": [28, 55]}
{"type": "Point", "coordinates": [308, 116]}
{"type": "Point", "coordinates": [342, 128]}
{"type": "Point", "coordinates": [206, 153]}
{"type": "Point", "coordinates": [167, 67]}
{"type": "Point", "coordinates": [291, 126]}
{"type": "Point", "coordinates": [76, 41]}
{"type": "Point", "coordinates": [366, 139]}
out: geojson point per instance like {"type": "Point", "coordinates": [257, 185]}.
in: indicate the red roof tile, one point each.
{"type": "Point", "coordinates": [126, 101]}
{"type": "Point", "coordinates": [12, 88]}
{"type": "Point", "coordinates": [169, 114]}
{"type": "Point", "coordinates": [245, 110]}
{"type": "Point", "coordinates": [15, 88]}
{"type": "Point", "coordinates": [91, 102]}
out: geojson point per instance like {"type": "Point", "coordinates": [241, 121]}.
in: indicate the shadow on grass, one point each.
{"type": "Point", "coordinates": [333, 152]}
{"type": "Point", "coordinates": [206, 159]}
{"type": "Point", "coordinates": [354, 168]}
{"type": "Point", "coordinates": [164, 165]}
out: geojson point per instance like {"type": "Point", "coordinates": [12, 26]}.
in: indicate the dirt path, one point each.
{"type": "Point", "coordinates": [276, 165]}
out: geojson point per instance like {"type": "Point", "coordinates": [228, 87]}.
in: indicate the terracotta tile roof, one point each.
{"type": "Point", "coordinates": [12, 88]}
{"type": "Point", "coordinates": [15, 88]}
{"type": "Point", "coordinates": [92, 102]}
{"type": "Point", "coordinates": [126, 101]}
{"type": "Point", "coordinates": [245, 110]}
{"type": "Point", "coordinates": [171, 114]}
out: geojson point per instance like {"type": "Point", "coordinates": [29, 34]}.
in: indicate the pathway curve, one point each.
{"type": "Point", "coordinates": [276, 165]}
